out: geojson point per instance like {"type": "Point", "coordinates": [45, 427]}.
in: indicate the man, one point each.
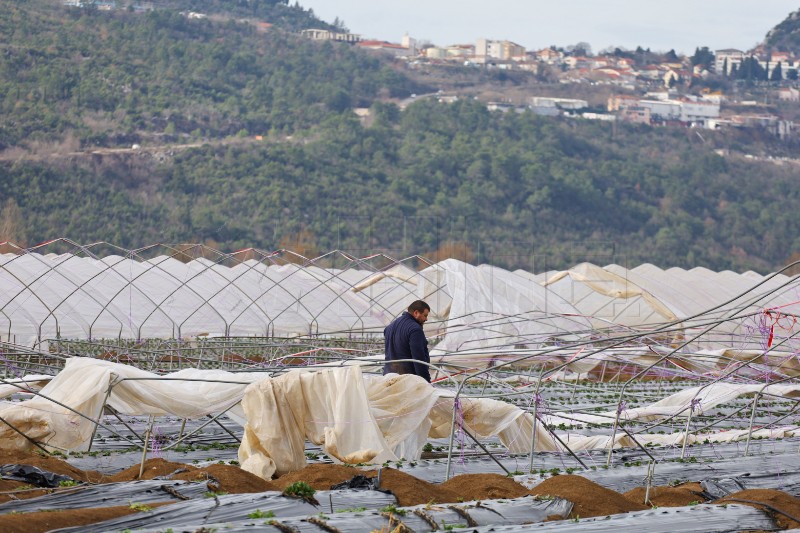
{"type": "Point", "coordinates": [404, 339]}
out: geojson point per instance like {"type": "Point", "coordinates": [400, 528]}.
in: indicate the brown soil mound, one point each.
{"type": "Point", "coordinates": [589, 498]}
{"type": "Point", "coordinates": [152, 468]}
{"type": "Point", "coordinates": [413, 491]}
{"type": "Point", "coordinates": [319, 476]}
{"type": "Point", "coordinates": [220, 477]}
{"type": "Point", "coordinates": [668, 496]}
{"type": "Point", "coordinates": [18, 490]}
{"type": "Point", "coordinates": [775, 498]}
{"type": "Point", "coordinates": [42, 521]}
{"type": "Point", "coordinates": [48, 464]}
{"type": "Point", "coordinates": [227, 478]}
{"type": "Point", "coordinates": [408, 489]}
{"type": "Point", "coordinates": [485, 487]}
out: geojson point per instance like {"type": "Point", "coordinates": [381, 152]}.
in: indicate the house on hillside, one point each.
{"type": "Point", "coordinates": [545, 105]}
{"type": "Point", "coordinates": [549, 56]}
{"type": "Point", "coordinates": [725, 60]}
{"type": "Point", "coordinates": [503, 50]}
{"type": "Point", "coordinates": [614, 75]}
{"type": "Point", "coordinates": [698, 112]}
{"type": "Point", "coordinates": [328, 35]}
{"type": "Point", "coordinates": [577, 62]}
{"type": "Point", "coordinates": [651, 72]}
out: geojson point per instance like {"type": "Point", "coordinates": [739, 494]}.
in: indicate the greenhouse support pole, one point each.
{"type": "Point", "coordinates": [613, 434]}
{"type": "Point", "coordinates": [651, 471]}
{"type": "Point", "coordinates": [228, 431]}
{"type": "Point", "coordinates": [573, 454]}
{"type": "Point", "coordinates": [183, 427]}
{"type": "Point", "coordinates": [479, 443]}
{"type": "Point", "coordinates": [750, 429]}
{"type": "Point", "coordinates": [452, 438]}
{"type": "Point", "coordinates": [686, 432]}
{"type": "Point", "coordinates": [199, 428]}
{"type": "Point", "coordinates": [146, 442]}
{"type": "Point", "coordinates": [535, 417]}
{"type": "Point", "coordinates": [116, 415]}
{"type": "Point", "coordinates": [102, 408]}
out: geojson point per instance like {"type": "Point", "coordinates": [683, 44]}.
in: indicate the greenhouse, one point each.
{"type": "Point", "coordinates": [275, 360]}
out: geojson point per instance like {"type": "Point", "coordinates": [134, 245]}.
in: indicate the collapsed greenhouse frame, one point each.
{"type": "Point", "coordinates": [513, 332]}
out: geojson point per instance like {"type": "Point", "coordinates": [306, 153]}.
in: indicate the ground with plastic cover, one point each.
{"type": "Point", "coordinates": [589, 499]}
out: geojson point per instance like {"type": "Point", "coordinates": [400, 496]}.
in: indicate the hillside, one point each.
{"type": "Point", "coordinates": [786, 35]}
{"type": "Point", "coordinates": [248, 139]}
{"type": "Point", "coordinates": [110, 78]}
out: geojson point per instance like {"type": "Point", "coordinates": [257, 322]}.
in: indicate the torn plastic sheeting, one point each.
{"type": "Point", "coordinates": [83, 387]}
{"type": "Point", "coordinates": [695, 519]}
{"type": "Point", "coordinates": [355, 522]}
{"type": "Point", "coordinates": [370, 521]}
{"type": "Point", "coordinates": [33, 475]}
{"type": "Point", "coordinates": [233, 507]}
{"type": "Point", "coordinates": [719, 488]}
{"type": "Point", "coordinates": [769, 471]}
{"type": "Point", "coordinates": [107, 495]}
{"type": "Point", "coordinates": [787, 482]}
{"type": "Point", "coordinates": [519, 510]}
{"type": "Point", "coordinates": [619, 478]}
{"type": "Point", "coordinates": [359, 483]}
{"type": "Point", "coordinates": [417, 518]}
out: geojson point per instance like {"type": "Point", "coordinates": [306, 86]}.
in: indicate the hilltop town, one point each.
{"type": "Point", "coordinates": [717, 89]}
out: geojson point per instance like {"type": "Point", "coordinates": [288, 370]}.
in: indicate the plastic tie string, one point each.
{"type": "Point", "coordinates": [17, 371]}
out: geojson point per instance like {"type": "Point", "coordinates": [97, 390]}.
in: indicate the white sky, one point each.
{"type": "Point", "coordinates": [660, 26]}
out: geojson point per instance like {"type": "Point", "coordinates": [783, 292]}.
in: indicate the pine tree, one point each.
{"type": "Point", "coordinates": [777, 73]}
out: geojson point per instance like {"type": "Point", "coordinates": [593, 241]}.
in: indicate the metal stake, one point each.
{"type": "Point", "coordinates": [752, 419]}
{"type": "Point", "coordinates": [144, 448]}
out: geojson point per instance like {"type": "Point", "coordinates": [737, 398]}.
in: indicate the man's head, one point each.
{"type": "Point", "coordinates": [419, 310]}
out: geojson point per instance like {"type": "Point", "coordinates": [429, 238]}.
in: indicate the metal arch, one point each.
{"type": "Point", "coordinates": [87, 326]}
{"type": "Point", "coordinates": [298, 300]}
{"type": "Point", "coordinates": [27, 287]}
{"type": "Point", "coordinates": [181, 284]}
{"type": "Point", "coordinates": [323, 283]}
{"type": "Point", "coordinates": [126, 254]}
{"type": "Point", "coordinates": [110, 302]}
{"type": "Point", "coordinates": [229, 283]}
{"type": "Point", "coordinates": [77, 318]}
{"type": "Point", "coordinates": [397, 283]}
{"type": "Point", "coordinates": [205, 301]}
{"type": "Point", "coordinates": [25, 313]}
{"type": "Point", "coordinates": [253, 301]}
{"type": "Point", "coordinates": [279, 286]}
{"type": "Point", "coordinates": [129, 284]}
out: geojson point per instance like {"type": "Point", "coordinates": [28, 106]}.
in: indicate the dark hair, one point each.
{"type": "Point", "coordinates": [418, 305]}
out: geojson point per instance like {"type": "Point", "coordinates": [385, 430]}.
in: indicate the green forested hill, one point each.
{"type": "Point", "coordinates": [514, 190]}
{"type": "Point", "coordinates": [118, 77]}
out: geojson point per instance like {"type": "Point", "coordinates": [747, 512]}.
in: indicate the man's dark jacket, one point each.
{"type": "Point", "coordinates": [404, 339]}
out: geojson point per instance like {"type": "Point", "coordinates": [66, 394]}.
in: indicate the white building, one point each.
{"type": "Point", "coordinates": [504, 50]}
{"type": "Point", "coordinates": [731, 55]}
{"type": "Point", "coordinates": [410, 43]}
{"type": "Point", "coordinates": [327, 35]}
{"type": "Point", "coordinates": [570, 104]}
{"type": "Point", "coordinates": [698, 111]}
{"type": "Point", "coordinates": [663, 109]}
